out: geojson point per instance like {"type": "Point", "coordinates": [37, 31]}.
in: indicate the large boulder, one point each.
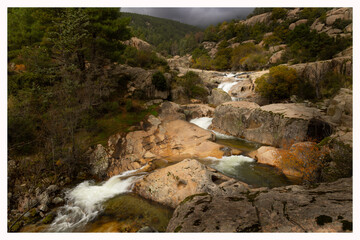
{"type": "Point", "coordinates": [140, 82]}
{"type": "Point", "coordinates": [340, 108]}
{"type": "Point", "coordinates": [276, 57]}
{"type": "Point", "coordinates": [205, 213]}
{"type": "Point", "coordinates": [262, 18]}
{"type": "Point", "coordinates": [197, 111]}
{"type": "Point", "coordinates": [340, 113]}
{"type": "Point", "coordinates": [274, 124]}
{"type": "Point", "coordinates": [170, 111]}
{"type": "Point", "coordinates": [171, 185]}
{"type": "Point", "coordinates": [218, 96]}
{"type": "Point", "coordinates": [316, 71]}
{"type": "Point", "coordinates": [99, 161]}
{"type": "Point", "coordinates": [301, 160]}
{"type": "Point", "coordinates": [177, 61]}
{"type": "Point", "coordinates": [327, 208]}
{"type": "Point", "coordinates": [297, 23]}
{"type": "Point", "coordinates": [171, 141]}
{"type": "Point", "coordinates": [138, 44]}
{"type": "Point", "coordinates": [338, 13]}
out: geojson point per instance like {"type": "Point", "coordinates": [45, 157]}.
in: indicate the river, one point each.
{"type": "Point", "coordinates": [111, 206]}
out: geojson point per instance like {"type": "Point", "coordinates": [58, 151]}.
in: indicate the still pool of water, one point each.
{"type": "Point", "coordinates": [129, 213]}
{"type": "Point", "coordinates": [247, 170]}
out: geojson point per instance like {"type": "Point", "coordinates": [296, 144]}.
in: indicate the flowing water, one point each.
{"type": "Point", "coordinates": [84, 202]}
{"type": "Point", "coordinates": [111, 207]}
{"type": "Point", "coordinates": [242, 167]}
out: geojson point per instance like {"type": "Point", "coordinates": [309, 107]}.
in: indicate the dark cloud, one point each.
{"type": "Point", "coordinates": [195, 16]}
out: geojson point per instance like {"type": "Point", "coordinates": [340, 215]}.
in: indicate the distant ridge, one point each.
{"type": "Point", "coordinates": [158, 31]}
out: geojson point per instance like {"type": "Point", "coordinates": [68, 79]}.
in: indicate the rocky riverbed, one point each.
{"type": "Point", "coordinates": [196, 158]}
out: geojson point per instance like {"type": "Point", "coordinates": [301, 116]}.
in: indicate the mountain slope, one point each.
{"type": "Point", "coordinates": [164, 34]}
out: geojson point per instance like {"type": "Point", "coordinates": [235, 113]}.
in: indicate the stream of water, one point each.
{"type": "Point", "coordinates": [111, 207]}
{"type": "Point", "coordinates": [242, 167]}
{"type": "Point", "coordinates": [84, 202]}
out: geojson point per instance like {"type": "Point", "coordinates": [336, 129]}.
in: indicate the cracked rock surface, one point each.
{"type": "Point", "coordinates": [326, 208]}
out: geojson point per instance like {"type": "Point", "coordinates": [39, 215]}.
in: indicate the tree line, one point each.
{"type": "Point", "coordinates": [58, 58]}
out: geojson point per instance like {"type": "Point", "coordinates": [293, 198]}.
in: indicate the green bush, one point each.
{"type": "Point", "coordinates": [159, 81]}
{"type": "Point", "coordinates": [279, 84]}
{"type": "Point", "coordinates": [193, 85]}
{"type": "Point", "coordinates": [332, 82]}
{"type": "Point", "coordinates": [278, 13]}
{"type": "Point", "coordinates": [140, 58]}
{"type": "Point", "coordinates": [254, 61]}
{"type": "Point", "coordinates": [341, 23]}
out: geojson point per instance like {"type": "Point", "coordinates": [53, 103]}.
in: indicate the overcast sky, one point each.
{"type": "Point", "coordinates": [195, 16]}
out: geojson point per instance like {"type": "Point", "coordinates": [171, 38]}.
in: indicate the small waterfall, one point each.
{"type": "Point", "coordinates": [84, 201]}
{"type": "Point", "coordinates": [226, 86]}
{"type": "Point", "coordinates": [205, 122]}
{"type": "Point", "coordinates": [228, 164]}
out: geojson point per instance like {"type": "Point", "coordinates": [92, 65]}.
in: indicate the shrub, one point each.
{"type": "Point", "coordinates": [278, 13]}
{"type": "Point", "coordinates": [341, 23]}
{"type": "Point", "coordinates": [254, 61]}
{"type": "Point", "coordinates": [279, 84]}
{"type": "Point", "coordinates": [193, 85]}
{"type": "Point", "coordinates": [140, 58]}
{"type": "Point", "coordinates": [159, 81]}
{"type": "Point", "coordinates": [248, 57]}
{"type": "Point", "coordinates": [332, 82]}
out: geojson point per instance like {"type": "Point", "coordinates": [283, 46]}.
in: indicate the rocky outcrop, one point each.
{"type": "Point", "coordinates": [297, 23]}
{"type": "Point", "coordinates": [177, 61]}
{"type": "Point", "coordinates": [197, 111]}
{"type": "Point", "coordinates": [171, 141]}
{"type": "Point", "coordinates": [140, 82]}
{"type": "Point", "coordinates": [338, 13]}
{"type": "Point", "coordinates": [293, 13]}
{"type": "Point", "coordinates": [218, 96]}
{"type": "Point", "coordinates": [274, 124]}
{"type": "Point", "coordinates": [316, 71]}
{"type": "Point", "coordinates": [331, 16]}
{"type": "Point", "coordinates": [276, 57]}
{"type": "Point", "coordinates": [99, 161]}
{"type": "Point", "coordinates": [340, 113]}
{"type": "Point", "coordinates": [170, 111]}
{"type": "Point", "coordinates": [346, 53]}
{"type": "Point", "coordinates": [262, 18]}
{"type": "Point", "coordinates": [277, 48]}
{"type": "Point", "coordinates": [171, 185]}
{"type": "Point", "coordinates": [211, 47]}
{"type": "Point", "coordinates": [327, 208]}
{"type": "Point", "coordinates": [138, 44]}
{"type": "Point", "coordinates": [284, 159]}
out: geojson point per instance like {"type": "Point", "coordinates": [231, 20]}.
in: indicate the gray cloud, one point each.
{"type": "Point", "coordinates": [195, 16]}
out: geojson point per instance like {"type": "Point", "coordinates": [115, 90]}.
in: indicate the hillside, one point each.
{"type": "Point", "coordinates": [273, 36]}
{"type": "Point", "coordinates": [166, 35]}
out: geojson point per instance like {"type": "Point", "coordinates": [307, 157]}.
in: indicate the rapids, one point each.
{"type": "Point", "coordinates": [84, 202]}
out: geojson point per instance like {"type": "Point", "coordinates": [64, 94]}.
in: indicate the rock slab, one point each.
{"type": "Point", "coordinates": [327, 208]}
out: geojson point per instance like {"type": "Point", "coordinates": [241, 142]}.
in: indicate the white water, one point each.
{"type": "Point", "coordinates": [205, 122]}
{"type": "Point", "coordinates": [84, 202]}
{"type": "Point", "coordinates": [226, 86]}
{"type": "Point", "coordinates": [228, 164]}
{"type": "Point", "coordinates": [229, 75]}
